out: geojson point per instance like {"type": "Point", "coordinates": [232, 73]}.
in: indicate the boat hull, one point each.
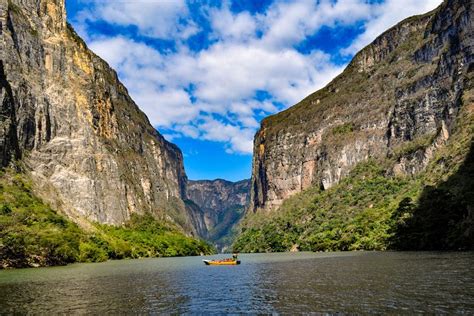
{"type": "Point", "coordinates": [221, 263]}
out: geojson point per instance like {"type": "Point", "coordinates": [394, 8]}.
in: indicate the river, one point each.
{"type": "Point", "coordinates": [350, 282]}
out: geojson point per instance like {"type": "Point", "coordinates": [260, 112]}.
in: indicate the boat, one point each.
{"type": "Point", "coordinates": [223, 262]}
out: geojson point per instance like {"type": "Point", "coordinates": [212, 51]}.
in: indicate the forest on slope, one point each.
{"type": "Point", "coordinates": [33, 234]}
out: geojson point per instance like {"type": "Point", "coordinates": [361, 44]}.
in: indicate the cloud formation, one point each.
{"type": "Point", "coordinates": [246, 66]}
{"type": "Point", "coordinates": [159, 19]}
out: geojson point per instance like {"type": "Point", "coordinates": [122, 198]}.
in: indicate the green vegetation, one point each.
{"type": "Point", "coordinates": [143, 236]}
{"type": "Point", "coordinates": [12, 7]}
{"type": "Point", "coordinates": [343, 129]}
{"type": "Point", "coordinates": [409, 148]}
{"type": "Point", "coordinates": [224, 233]}
{"type": "Point", "coordinates": [372, 209]}
{"type": "Point", "coordinates": [30, 232]}
{"type": "Point", "coordinates": [442, 216]}
{"type": "Point", "coordinates": [33, 234]}
{"type": "Point", "coordinates": [354, 215]}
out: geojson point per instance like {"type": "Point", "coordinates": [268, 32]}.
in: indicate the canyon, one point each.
{"type": "Point", "coordinates": [379, 157]}
{"type": "Point", "coordinates": [217, 205]}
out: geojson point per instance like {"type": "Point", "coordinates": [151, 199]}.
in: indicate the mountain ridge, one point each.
{"type": "Point", "coordinates": [398, 102]}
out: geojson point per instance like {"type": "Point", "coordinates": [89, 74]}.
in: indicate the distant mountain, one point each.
{"type": "Point", "coordinates": [220, 204]}
{"type": "Point", "coordinates": [355, 164]}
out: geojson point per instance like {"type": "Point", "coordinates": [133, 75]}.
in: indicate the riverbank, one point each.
{"type": "Point", "coordinates": [32, 234]}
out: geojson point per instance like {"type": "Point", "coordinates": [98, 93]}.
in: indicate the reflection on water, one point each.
{"type": "Point", "coordinates": [264, 283]}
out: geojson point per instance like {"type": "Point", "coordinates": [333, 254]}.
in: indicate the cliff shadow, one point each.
{"type": "Point", "coordinates": [443, 217]}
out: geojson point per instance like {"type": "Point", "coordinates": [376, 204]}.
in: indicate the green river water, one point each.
{"type": "Point", "coordinates": [287, 283]}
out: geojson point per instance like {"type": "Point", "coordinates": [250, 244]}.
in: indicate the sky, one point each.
{"type": "Point", "coordinates": [207, 72]}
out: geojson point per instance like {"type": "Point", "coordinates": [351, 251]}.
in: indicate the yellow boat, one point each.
{"type": "Point", "coordinates": [224, 262]}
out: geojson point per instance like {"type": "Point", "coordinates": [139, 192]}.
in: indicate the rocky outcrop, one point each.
{"type": "Point", "coordinates": [89, 149]}
{"type": "Point", "coordinates": [397, 99]}
{"type": "Point", "coordinates": [219, 204]}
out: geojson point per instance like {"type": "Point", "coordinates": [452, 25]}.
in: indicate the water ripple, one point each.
{"type": "Point", "coordinates": [370, 282]}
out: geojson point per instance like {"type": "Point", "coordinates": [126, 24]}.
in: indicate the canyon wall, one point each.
{"type": "Point", "coordinates": [397, 99]}
{"type": "Point", "coordinates": [217, 205]}
{"type": "Point", "coordinates": [65, 115]}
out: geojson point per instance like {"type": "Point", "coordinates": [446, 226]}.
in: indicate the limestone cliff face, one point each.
{"type": "Point", "coordinates": [397, 98]}
{"type": "Point", "coordinates": [219, 205]}
{"type": "Point", "coordinates": [90, 150]}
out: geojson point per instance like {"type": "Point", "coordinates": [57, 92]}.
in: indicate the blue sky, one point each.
{"type": "Point", "coordinates": [207, 72]}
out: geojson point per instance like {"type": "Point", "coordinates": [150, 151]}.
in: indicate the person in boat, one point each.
{"type": "Point", "coordinates": [234, 256]}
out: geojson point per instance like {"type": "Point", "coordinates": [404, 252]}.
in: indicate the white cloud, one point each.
{"type": "Point", "coordinates": [167, 107]}
{"type": "Point", "coordinates": [290, 22]}
{"type": "Point", "coordinates": [189, 130]}
{"type": "Point", "coordinates": [211, 94]}
{"type": "Point", "coordinates": [164, 19]}
{"type": "Point", "coordinates": [119, 51]}
{"type": "Point", "coordinates": [229, 26]}
{"type": "Point", "coordinates": [225, 77]}
{"type": "Point", "coordinates": [239, 140]}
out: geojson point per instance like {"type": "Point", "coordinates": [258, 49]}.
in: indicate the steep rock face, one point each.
{"type": "Point", "coordinates": [90, 150]}
{"type": "Point", "coordinates": [220, 204]}
{"type": "Point", "coordinates": [8, 138]}
{"type": "Point", "coordinates": [398, 98]}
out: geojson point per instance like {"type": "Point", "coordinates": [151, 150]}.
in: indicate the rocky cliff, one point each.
{"type": "Point", "coordinates": [398, 99]}
{"type": "Point", "coordinates": [219, 204]}
{"type": "Point", "coordinates": [382, 157]}
{"type": "Point", "coordinates": [63, 112]}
